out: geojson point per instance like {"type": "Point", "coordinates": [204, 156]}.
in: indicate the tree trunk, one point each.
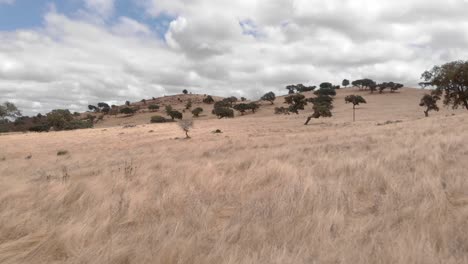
{"type": "Point", "coordinates": [186, 134]}
{"type": "Point", "coordinates": [465, 102]}
{"type": "Point", "coordinates": [308, 120]}
{"type": "Point", "coordinates": [354, 113]}
{"type": "Point", "coordinates": [426, 113]}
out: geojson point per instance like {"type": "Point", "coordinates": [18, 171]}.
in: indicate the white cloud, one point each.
{"type": "Point", "coordinates": [242, 48]}
{"type": "Point", "coordinates": [104, 8]}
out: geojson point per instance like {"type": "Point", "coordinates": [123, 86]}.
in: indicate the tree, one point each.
{"type": "Point", "coordinates": [59, 118]}
{"type": "Point", "coordinates": [323, 104]}
{"type": "Point", "coordinates": [103, 107]}
{"type": "Point", "coordinates": [153, 107]}
{"type": "Point", "coordinates": [325, 91]}
{"type": "Point", "coordinates": [243, 99]}
{"type": "Point", "coordinates": [253, 106]}
{"type": "Point", "coordinates": [345, 83]}
{"type": "Point", "coordinates": [451, 79]}
{"type": "Point", "coordinates": [143, 101]}
{"type": "Point", "coordinates": [197, 111]}
{"type": "Point", "coordinates": [222, 112]}
{"type": "Point", "coordinates": [188, 105]}
{"type": "Point", "coordinates": [296, 102]}
{"type": "Point", "coordinates": [127, 111]}
{"type": "Point", "coordinates": [185, 91]}
{"type": "Point", "coordinates": [174, 114]}
{"type": "Point", "coordinates": [291, 89]}
{"type": "Point", "coordinates": [93, 108]}
{"type": "Point", "coordinates": [241, 108]}
{"type": "Point", "coordinates": [230, 100]}
{"type": "Point", "coordinates": [364, 84]}
{"type": "Point", "coordinates": [9, 110]}
{"type": "Point", "coordinates": [208, 100]}
{"type": "Point", "coordinates": [430, 102]}
{"type": "Point", "coordinates": [270, 97]}
{"type": "Point", "coordinates": [326, 85]}
{"type": "Point", "coordinates": [222, 103]}
{"type": "Point", "coordinates": [355, 100]}
{"type": "Point", "coordinates": [300, 88]}
{"type": "Point", "coordinates": [186, 125]}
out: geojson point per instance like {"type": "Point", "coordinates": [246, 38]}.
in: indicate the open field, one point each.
{"type": "Point", "coordinates": [266, 190]}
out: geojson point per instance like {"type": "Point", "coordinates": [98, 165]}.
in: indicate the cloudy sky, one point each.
{"type": "Point", "coordinates": [71, 53]}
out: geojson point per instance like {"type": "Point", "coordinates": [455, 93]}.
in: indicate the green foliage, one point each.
{"type": "Point", "coordinates": [44, 127]}
{"type": "Point", "coordinates": [270, 97]}
{"type": "Point", "coordinates": [451, 80]}
{"type": "Point", "coordinates": [59, 118]}
{"type": "Point", "coordinates": [253, 107]}
{"type": "Point", "coordinates": [322, 106]}
{"type": "Point", "coordinates": [230, 100]}
{"type": "Point", "coordinates": [355, 99]}
{"type": "Point", "coordinates": [326, 85]}
{"type": "Point", "coordinates": [296, 102]}
{"type": "Point", "coordinates": [364, 84]}
{"type": "Point", "coordinates": [242, 108]}
{"type": "Point", "coordinates": [197, 111]}
{"type": "Point", "coordinates": [127, 111]}
{"type": "Point", "coordinates": [430, 102]}
{"type": "Point", "coordinates": [325, 91]}
{"type": "Point", "coordinates": [387, 85]}
{"type": "Point", "coordinates": [208, 100]}
{"type": "Point", "coordinates": [222, 103]}
{"type": "Point", "coordinates": [300, 88]}
{"type": "Point", "coordinates": [345, 82]}
{"type": "Point", "coordinates": [9, 110]}
{"type": "Point", "coordinates": [222, 112]}
{"type": "Point", "coordinates": [158, 119]}
{"type": "Point", "coordinates": [174, 114]}
{"type": "Point", "coordinates": [153, 107]}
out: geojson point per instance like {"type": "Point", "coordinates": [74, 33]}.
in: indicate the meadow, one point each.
{"type": "Point", "coordinates": [389, 188]}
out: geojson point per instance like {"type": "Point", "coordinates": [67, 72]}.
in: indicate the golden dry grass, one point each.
{"type": "Point", "coordinates": [266, 190]}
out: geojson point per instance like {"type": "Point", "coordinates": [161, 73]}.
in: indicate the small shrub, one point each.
{"type": "Point", "coordinates": [281, 111]}
{"type": "Point", "coordinates": [186, 125]}
{"type": "Point", "coordinates": [197, 111]}
{"type": "Point", "coordinates": [40, 128]}
{"type": "Point", "coordinates": [217, 131]}
{"type": "Point", "coordinates": [127, 111]}
{"type": "Point", "coordinates": [153, 107]}
{"type": "Point", "coordinates": [208, 100]}
{"type": "Point", "coordinates": [158, 119]}
{"type": "Point", "coordinates": [62, 152]}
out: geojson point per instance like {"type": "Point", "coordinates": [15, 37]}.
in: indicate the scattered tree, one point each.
{"type": "Point", "coordinates": [230, 100]}
{"type": "Point", "coordinates": [222, 112]}
{"type": "Point", "coordinates": [355, 100]}
{"type": "Point", "coordinates": [93, 108]}
{"type": "Point", "coordinates": [451, 80]}
{"type": "Point", "coordinates": [243, 99]}
{"type": "Point", "coordinates": [296, 102]}
{"type": "Point", "coordinates": [185, 91]}
{"type": "Point", "coordinates": [197, 111]}
{"type": "Point", "coordinates": [241, 108]}
{"type": "Point", "coordinates": [325, 91]}
{"type": "Point", "coordinates": [430, 102]}
{"type": "Point", "coordinates": [208, 100]}
{"type": "Point", "coordinates": [326, 85]}
{"type": "Point", "coordinates": [9, 110]}
{"type": "Point", "coordinates": [345, 83]}
{"type": "Point", "coordinates": [322, 106]}
{"type": "Point", "coordinates": [127, 103]}
{"type": "Point", "coordinates": [270, 97]}
{"type": "Point", "coordinates": [186, 125]}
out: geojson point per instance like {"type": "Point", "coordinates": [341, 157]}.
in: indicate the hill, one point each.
{"type": "Point", "coordinates": [266, 190]}
{"type": "Point", "coordinates": [401, 105]}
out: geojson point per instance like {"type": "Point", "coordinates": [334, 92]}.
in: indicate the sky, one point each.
{"type": "Point", "coordinates": [71, 53]}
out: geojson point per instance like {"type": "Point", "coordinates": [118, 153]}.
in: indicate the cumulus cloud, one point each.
{"type": "Point", "coordinates": [241, 48]}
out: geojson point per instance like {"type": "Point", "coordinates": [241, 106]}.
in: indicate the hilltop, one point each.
{"type": "Point", "coordinates": [401, 105]}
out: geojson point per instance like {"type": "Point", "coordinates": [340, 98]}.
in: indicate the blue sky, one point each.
{"type": "Point", "coordinates": [27, 14]}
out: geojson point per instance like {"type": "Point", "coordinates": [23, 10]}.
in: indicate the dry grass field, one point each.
{"type": "Point", "coordinates": [266, 190]}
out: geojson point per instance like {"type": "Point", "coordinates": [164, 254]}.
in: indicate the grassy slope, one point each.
{"type": "Point", "coordinates": [267, 190]}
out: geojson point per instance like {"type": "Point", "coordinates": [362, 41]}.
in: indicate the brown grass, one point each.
{"type": "Point", "coordinates": [266, 190]}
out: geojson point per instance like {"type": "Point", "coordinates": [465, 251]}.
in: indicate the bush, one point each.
{"type": "Point", "coordinates": [78, 124]}
{"type": "Point", "coordinates": [281, 111]}
{"type": "Point", "coordinates": [222, 112]}
{"type": "Point", "coordinates": [208, 100]}
{"type": "Point", "coordinates": [196, 112]}
{"type": "Point", "coordinates": [62, 152]}
{"type": "Point", "coordinates": [40, 128]}
{"type": "Point", "coordinates": [127, 111]}
{"type": "Point", "coordinates": [153, 107]}
{"type": "Point", "coordinates": [158, 119]}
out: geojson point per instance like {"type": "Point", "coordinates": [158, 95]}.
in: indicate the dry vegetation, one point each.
{"type": "Point", "coordinates": [266, 190]}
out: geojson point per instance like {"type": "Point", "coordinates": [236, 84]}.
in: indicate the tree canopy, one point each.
{"type": "Point", "coordinates": [451, 79]}
{"type": "Point", "coordinates": [430, 102]}
{"type": "Point", "coordinates": [270, 97]}
{"type": "Point", "coordinates": [9, 110]}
